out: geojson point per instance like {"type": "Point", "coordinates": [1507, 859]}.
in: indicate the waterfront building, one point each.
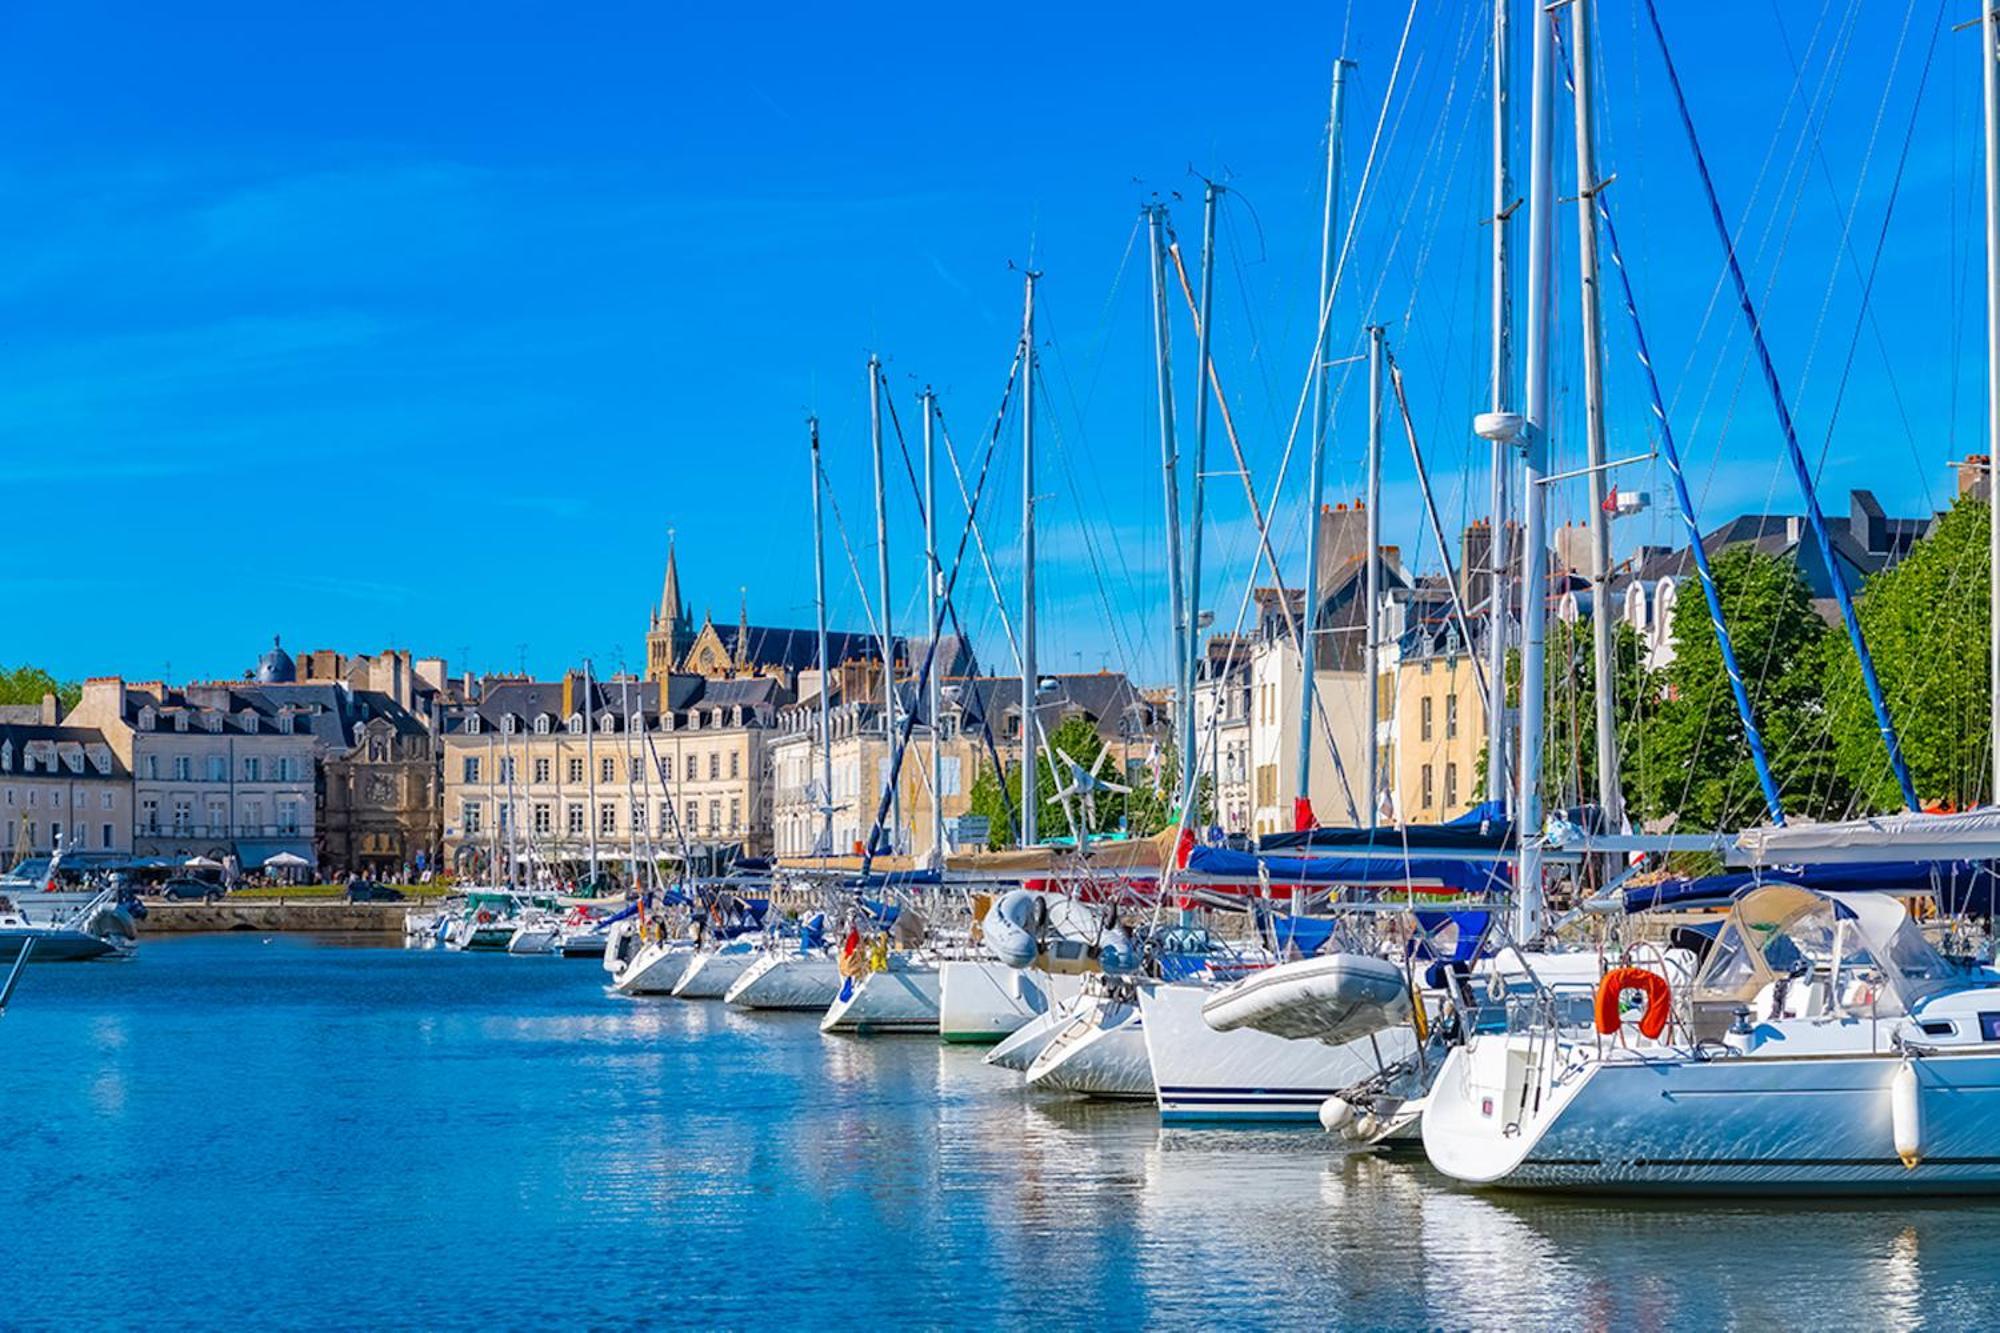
{"type": "Point", "coordinates": [224, 770]}
{"type": "Point", "coordinates": [1438, 718]}
{"type": "Point", "coordinates": [378, 781]}
{"type": "Point", "coordinates": [539, 775]}
{"type": "Point", "coordinates": [61, 785]}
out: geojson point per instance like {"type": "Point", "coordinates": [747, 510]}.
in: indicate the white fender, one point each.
{"type": "Point", "coordinates": [1906, 1114]}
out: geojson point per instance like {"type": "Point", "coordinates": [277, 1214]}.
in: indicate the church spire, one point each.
{"type": "Point", "coordinates": [672, 631]}
{"type": "Point", "coordinates": [673, 612]}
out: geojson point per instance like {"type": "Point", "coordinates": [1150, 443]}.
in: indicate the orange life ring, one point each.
{"type": "Point", "coordinates": [1659, 1000]}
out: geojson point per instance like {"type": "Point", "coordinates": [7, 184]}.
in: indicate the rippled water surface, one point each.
{"type": "Point", "coordinates": [231, 1130]}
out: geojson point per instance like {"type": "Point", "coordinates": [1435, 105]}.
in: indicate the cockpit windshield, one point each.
{"type": "Point", "coordinates": [1859, 949]}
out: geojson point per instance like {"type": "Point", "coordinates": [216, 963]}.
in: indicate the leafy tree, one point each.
{"type": "Point", "coordinates": [1926, 621]}
{"type": "Point", "coordinates": [1569, 714]}
{"type": "Point", "coordinates": [1145, 811]}
{"type": "Point", "coordinates": [1692, 758]}
{"type": "Point", "coordinates": [27, 685]}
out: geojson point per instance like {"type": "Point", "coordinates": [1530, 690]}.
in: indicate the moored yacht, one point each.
{"type": "Point", "coordinates": [1824, 1046]}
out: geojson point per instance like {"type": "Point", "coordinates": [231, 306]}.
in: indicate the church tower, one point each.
{"type": "Point", "coordinates": [672, 631]}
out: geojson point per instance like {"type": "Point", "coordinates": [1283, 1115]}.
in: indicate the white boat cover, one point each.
{"type": "Point", "coordinates": [1971, 835]}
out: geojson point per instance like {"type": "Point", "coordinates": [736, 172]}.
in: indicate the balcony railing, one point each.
{"type": "Point", "coordinates": [211, 832]}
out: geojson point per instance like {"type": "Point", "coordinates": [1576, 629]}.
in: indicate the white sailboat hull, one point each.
{"type": "Point", "coordinates": [902, 999]}
{"type": "Point", "coordinates": [1099, 1052]}
{"type": "Point", "coordinates": [1248, 1075]}
{"type": "Point", "coordinates": [534, 939]}
{"type": "Point", "coordinates": [984, 1000]}
{"type": "Point", "coordinates": [787, 981]}
{"type": "Point", "coordinates": [1752, 1125]}
{"type": "Point", "coordinates": [654, 969]}
{"type": "Point", "coordinates": [1018, 1050]}
{"type": "Point", "coordinates": [713, 971]}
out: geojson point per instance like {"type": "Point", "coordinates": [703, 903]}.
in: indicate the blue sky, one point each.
{"type": "Point", "coordinates": [422, 325]}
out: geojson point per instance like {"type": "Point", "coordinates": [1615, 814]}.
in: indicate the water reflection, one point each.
{"type": "Point", "coordinates": [473, 1117]}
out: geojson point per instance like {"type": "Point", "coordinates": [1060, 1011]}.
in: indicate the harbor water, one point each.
{"type": "Point", "coordinates": [298, 1132]}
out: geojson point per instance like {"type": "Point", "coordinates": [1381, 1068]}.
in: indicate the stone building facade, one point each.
{"type": "Point", "coordinates": [61, 786]}
{"type": "Point", "coordinates": [222, 770]}
{"type": "Point", "coordinates": [539, 776]}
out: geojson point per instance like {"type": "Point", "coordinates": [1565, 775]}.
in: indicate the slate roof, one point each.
{"type": "Point", "coordinates": [502, 696]}
{"type": "Point", "coordinates": [798, 649]}
{"type": "Point", "coordinates": [22, 735]}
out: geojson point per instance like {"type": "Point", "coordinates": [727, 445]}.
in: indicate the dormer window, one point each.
{"type": "Point", "coordinates": [360, 733]}
{"type": "Point", "coordinates": [6, 756]}
{"type": "Point", "coordinates": [472, 724]}
{"type": "Point", "coordinates": [285, 723]}
{"type": "Point", "coordinates": [575, 724]}
{"type": "Point", "coordinates": [609, 722]}
{"type": "Point", "coordinates": [541, 724]}
{"type": "Point", "coordinates": [148, 719]}
{"type": "Point", "coordinates": [211, 720]}
{"type": "Point", "coordinates": [100, 759]}
{"type": "Point", "coordinates": [509, 724]}
{"type": "Point", "coordinates": [180, 721]}
{"type": "Point", "coordinates": [635, 722]}
{"type": "Point", "coordinates": [248, 718]}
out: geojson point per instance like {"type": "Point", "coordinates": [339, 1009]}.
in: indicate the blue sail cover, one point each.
{"type": "Point", "coordinates": [1451, 937]}
{"type": "Point", "coordinates": [1457, 876]}
{"type": "Point", "coordinates": [1961, 886]}
{"type": "Point", "coordinates": [1483, 828]}
{"type": "Point", "coordinates": [1306, 934]}
{"type": "Point", "coordinates": [883, 914]}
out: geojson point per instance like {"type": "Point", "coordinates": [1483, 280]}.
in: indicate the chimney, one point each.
{"type": "Point", "coordinates": [1866, 522]}
{"type": "Point", "coordinates": [1574, 549]}
{"type": "Point", "coordinates": [51, 710]}
{"type": "Point", "coordinates": [1972, 475]}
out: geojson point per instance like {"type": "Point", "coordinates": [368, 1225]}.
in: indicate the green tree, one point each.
{"type": "Point", "coordinates": [1145, 811]}
{"type": "Point", "coordinates": [27, 685]}
{"type": "Point", "coordinates": [1569, 713]}
{"type": "Point", "coordinates": [1926, 621]}
{"type": "Point", "coordinates": [1692, 758]}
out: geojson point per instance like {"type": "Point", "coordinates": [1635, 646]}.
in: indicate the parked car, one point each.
{"type": "Point", "coordinates": [188, 889]}
{"type": "Point", "coordinates": [361, 891]}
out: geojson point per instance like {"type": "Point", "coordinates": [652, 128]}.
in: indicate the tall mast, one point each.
{"type": "Point", "coordinates": [513, 812]}
{"type": "Point", "coordinates": [934, 574]}
{"type": "Point", "coordinates": [1192, 657]}
{"type": "Point", "coordinates": [493, 834]}
{"type": "Point", "coordinates": [590, 767]}
{"type": "Point", "coordinates": [631, 767]}
{"type": "Point", "coordinates": [1156, 221]}
{"type": "Point", "coordinates": [1030, 798]}
{"type": "Point", "coordinates": [1534, 537]}
{"type": "Point", "coordinates": [1503, 384]}
{"type": "Point", "coordinates": [1610, 798]}
{"type": "Point", "coordinates": [1989, 65]}
{"type": "Point", "coordinates": [825, 844]}
{"type": "Point", "coordinates": [1316, 471]}
{"type": "Point", "coordinates": [1371, 654]}
{"type": "Point", "coordinates": [882, 579]}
